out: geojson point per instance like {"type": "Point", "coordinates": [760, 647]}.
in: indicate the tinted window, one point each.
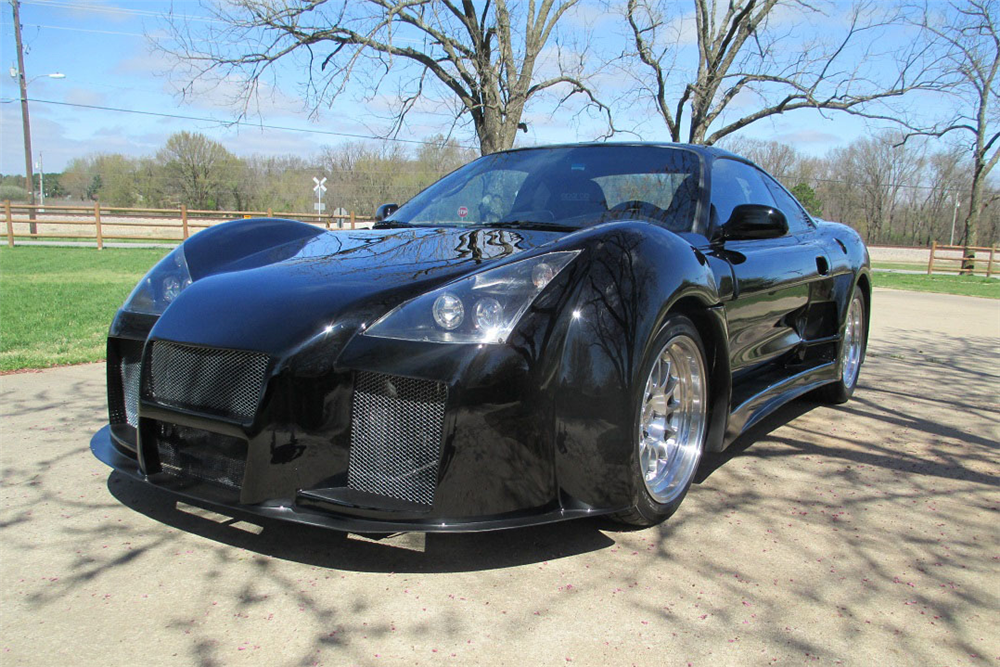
{"type": "Point", "coordinates": [798, 219]}
{"type": "Point", "coordinates": [484, 198]}
{"type": "Point", "coordinates": [657, 189]}
{"type": "Point", "coordinates": [735, 183]}
{"type": "Point", "coordinates": [575, 186]}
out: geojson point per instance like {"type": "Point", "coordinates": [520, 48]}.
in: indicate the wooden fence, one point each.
{"type": "Point", "coordinates": [967, 259]}
{"type": "Point", "coordinates": [116, 223]}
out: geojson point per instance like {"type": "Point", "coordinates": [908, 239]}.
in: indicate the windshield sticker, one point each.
{"type": "Point", "coordinates": [463, 211]}
{"type": "Point", "coordinates": [579, 167]}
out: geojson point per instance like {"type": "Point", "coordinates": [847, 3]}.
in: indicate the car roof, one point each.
{"type": "Point", "coordinates": [711, 151]}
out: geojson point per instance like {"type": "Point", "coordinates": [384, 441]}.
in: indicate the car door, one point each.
{"type": "Point", "coordinates": [772, 277]}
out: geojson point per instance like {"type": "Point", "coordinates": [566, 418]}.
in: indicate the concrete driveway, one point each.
{"type": "Point", "coordinates": [864, 534]}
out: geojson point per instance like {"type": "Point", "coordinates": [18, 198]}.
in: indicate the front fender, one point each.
{"type": "Point", "coordinates": [633, 277]}
{"type": "Point", "coordinates": [212, 250]}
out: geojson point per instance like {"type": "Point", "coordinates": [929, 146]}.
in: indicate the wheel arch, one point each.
{"type": "Point", "coordinates": [710, 321]}
{"type": "Point", "coordinates": [213, 249]}
{"type": "Point", "coordinates": [864, 284]}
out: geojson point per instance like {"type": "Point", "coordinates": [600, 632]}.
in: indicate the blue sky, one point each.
{"type": "Point", "coordinates": [102, 48]}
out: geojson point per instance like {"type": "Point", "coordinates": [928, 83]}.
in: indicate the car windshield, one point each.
{"type": "Point", "coordinates": [565, 187]}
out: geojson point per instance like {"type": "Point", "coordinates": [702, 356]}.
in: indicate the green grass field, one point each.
{"type": "Point", "coordinates": [908, 266]}
{"type": "Point", "coordinates": [56, 303]}
{"type": "Point", "coordinates": [962, 285]}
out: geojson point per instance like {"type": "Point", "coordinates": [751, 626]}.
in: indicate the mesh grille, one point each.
{"type": "Point", "coordinates": [224, 382]}
{"type": "Point", "coordinates": [191, 452]}
{"type": "Point", "coordinates": [396, 428]}
{"type": "Point", "coordinates": [130, 382]}
{"type": "Point", "coordinates": [123, 383]}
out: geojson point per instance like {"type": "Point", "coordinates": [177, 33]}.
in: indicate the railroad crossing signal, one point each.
{"type": "Point", "coordinates": [320, 188]}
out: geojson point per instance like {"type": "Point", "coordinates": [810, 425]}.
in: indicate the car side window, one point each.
{"type": "Point", "coordinates": [799, 221]}
{"type": "Point", "coordinates": [735, 183]}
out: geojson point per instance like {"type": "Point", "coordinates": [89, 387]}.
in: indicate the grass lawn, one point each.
{"type": "Point", "coordinates": [908, 266]}
{"type": "Point", "coordinates": [962, 285]}
{"type": "Point", "coordinates": [56, 303]}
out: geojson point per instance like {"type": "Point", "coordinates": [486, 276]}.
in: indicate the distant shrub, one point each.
{"type": "Point", "coordinates": [807, 197]}
{"type": "Point", "coordinates": [13, 193]}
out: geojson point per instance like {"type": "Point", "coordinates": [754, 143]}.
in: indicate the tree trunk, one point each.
{"type": "Point", "coordinates": [496, 131]}
{"type": "Point", "coordinates": [969, 234]}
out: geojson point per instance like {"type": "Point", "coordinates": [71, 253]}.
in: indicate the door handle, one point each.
{"type": "Point", "coordinates": [822, 265]}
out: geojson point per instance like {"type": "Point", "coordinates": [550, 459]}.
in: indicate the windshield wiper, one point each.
{"type": "Point", "coordinates": [391, 224]}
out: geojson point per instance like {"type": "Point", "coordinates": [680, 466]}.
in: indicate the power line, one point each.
{"type": "Point", "coordinates": [118, 10]}
{"type": "Point", "coordinates": [73, 29]}
{"type": "Point", "coordinates": [157, 114]}
{"type": "Point", "coordinates": [148, 13]}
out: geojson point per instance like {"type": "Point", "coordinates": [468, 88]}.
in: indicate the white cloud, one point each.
{"type": "Point", "coordinates": [589, 15]}
{"type": "Point", "coordinates": [85, 96]}
{"type": "Point", "coordinates": [808, 136]}
{"type": "Point", "coordinates": [61, 141]}
{"type": "Point", "coordinates": [144, 63]}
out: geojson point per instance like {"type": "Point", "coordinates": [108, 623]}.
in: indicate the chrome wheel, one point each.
{"type": "Point", "coordinates": [673, 420]}
{"type": "Point", "coordinates": [854, 342]}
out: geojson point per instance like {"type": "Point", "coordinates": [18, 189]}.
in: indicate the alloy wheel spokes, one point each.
{"type": "Point", "coordinates": [853, 343]}
{"type": "Point", "coordinates": [672, 420]}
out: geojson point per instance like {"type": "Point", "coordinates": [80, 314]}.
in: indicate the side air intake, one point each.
{"type": "Point", "coordinates": [396, 428]}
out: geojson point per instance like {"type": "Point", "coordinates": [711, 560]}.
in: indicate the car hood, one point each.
{"type": "Point", "coordinates": [276, 299]}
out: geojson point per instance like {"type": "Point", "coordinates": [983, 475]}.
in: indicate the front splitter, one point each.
{"type": "Point", "coordinates": [288, 510]}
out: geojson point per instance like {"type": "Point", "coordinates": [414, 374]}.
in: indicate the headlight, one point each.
{"type": "Point", "coordinates": [482, 308]}
{"type": "Point", "coordinates": [161, 285]}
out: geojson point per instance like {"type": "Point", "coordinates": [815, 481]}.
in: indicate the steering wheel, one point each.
{"type": "Point", "coordinates": [640, 208]}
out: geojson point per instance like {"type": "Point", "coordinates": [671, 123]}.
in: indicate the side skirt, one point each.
{"type": "Point", "coordinates": [751, 410]}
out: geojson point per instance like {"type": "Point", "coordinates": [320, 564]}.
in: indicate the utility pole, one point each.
{"type": "Point", "coordinates": [25, 122]}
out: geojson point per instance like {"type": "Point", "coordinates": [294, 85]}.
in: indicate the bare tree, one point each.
{"type": "Point", "coordinates": [748, 47]}
{"type": "Point", "coordinates": [967, 36]}
{"type": "Point", "coordinates": [197, 170]}
{"type": "Point", "coordinates": [778, 159]}
{"type": "Point", "coordinates": [876, 172]}
{"type": "Point", "coordinates": [362, 176]}
{"type": "Point", "coordinates": [485, 60]}
{"type": "Point", "coordinates": [947, 177]}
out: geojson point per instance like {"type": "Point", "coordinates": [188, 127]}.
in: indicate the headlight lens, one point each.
{"type": "Point", "coordinates": [448, 311]}
{"type": "Point", "coordinates": [483, 308]}
{"type": "Point", "coordinates": [161, 285]}
{"type": "Point", "coordinates": [489, 314]}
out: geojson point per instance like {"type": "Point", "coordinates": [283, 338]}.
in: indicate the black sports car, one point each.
{"type": "Point", "coordinates": [545, 333]}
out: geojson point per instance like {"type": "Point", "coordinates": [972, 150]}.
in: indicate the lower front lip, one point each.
{"type": "Point", "coordinates": [308, 512]}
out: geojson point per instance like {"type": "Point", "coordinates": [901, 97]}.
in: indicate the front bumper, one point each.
{"type": "Point", "coordinates": [307, 509]}
{"type": "Point", "coordinates": [358, 433]}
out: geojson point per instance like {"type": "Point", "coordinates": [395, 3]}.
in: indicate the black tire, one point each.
{"type": "Point", "coordinates": [842, 390]}
{"type": "Point", "coordinates": [645, 510]}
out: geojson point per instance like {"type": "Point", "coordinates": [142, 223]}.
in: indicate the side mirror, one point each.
{"type": "Point", "coordinates": [384, 211]}
{"type": "Point", "coordinates": [754, 221]}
